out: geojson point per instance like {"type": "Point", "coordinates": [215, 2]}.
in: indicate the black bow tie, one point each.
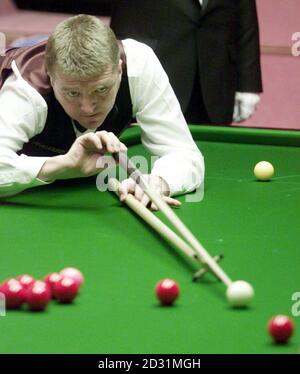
{"type": "Point", "coordinates": [79, 127]}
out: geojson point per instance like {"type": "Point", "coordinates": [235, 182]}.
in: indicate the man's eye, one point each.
{"type": "Point", "coordinates": [102, 90]}
{"type": "Point", "coordinates": [73, 93]}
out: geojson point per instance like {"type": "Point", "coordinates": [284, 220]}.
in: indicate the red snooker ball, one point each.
{"type": "Point", "coordinates": [65, 290]}
{"type": "Point", "coordinates": [281, 328]}
{"type": "Point", "coordinates": [14, 293]}
{"type": "Point", "coordinates": [51, 279]}
{"type": "Point", "coordinates": [74, 274]}
{"type": "Point", "coordinates": [167, 291]}
{"type": "Point", "coordinates": [38, 296]}
{"type": "Point", "coordinates": [26, 280]}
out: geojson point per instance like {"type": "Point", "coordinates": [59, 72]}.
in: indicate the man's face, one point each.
{"type": "Point", "coordinates": [87, 101]}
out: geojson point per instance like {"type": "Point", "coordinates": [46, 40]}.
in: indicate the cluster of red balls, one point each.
{"type": "Point", "coordinates": [37, 294]}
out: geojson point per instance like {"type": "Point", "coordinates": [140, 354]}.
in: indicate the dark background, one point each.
{"type": "Point", "coordinates": [96, 7]}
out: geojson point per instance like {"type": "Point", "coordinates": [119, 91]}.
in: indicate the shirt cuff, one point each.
{"type": "Point", "coordinates": [248, 97]}
{"type": "Point", "coordinates": [185, 177]}
{"type": "Point", "coordinates": [31, 167]}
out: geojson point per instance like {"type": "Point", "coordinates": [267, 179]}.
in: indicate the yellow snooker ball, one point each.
{"type": "Point", "coordinates": [264, 171]}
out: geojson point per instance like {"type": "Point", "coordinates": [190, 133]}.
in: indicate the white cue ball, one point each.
{"type": "Point", "coordinates": [240, 293]}
{"type": "Point", "coordinates": [264, 170]}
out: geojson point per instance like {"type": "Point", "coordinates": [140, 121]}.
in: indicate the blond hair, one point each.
{"type": "Point", "coordinates": [82, 46]}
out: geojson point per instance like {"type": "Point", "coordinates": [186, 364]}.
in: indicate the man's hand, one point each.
{"type": "Point", "coordinates": [245, 105]}
{"type": "Point", "coordinates": [86, 150]}
{"type": "Point", "coordinates": [81, 160]}
{"type": "Point", "coordinates": [156, 183]}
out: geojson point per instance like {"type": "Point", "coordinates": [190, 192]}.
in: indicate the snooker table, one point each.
{"type": "Point", "coordinates": [254, 224]}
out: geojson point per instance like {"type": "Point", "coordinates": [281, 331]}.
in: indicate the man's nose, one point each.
{"type": "Point", "coordinates": [87, 106]}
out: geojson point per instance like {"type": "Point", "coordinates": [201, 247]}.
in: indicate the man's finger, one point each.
{"type": "Point", "coordinates": [91, 142]}
{"type": "Point", "coordinates": [138, 192]}
{"type": "Point", "coordinates": [109, 142]}
{"type": "Point", "coordinates": [153, 206]}
{"type": "Point", "coordinates": [126, 187]}
{"type": "Point", "coordinates": [145, 200]}
{"type": "Point", "coordinates": [171, 201]}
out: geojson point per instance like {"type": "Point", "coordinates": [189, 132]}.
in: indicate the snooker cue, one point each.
{"type": "Point", "coordinates": [203, 270]}
{"type": "Point", "coordinates": [159, 226]}
{"type": "Point", "coordinates": [153, 221]}
{"type": "Point", "coordinates": [202, 253]}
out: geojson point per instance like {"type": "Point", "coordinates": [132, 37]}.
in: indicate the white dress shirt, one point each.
{"type": "Point", "coordinates": [164, 132]}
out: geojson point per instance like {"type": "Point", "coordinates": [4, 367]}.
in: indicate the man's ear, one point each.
{"type": "Point", "coordinates": [120, 68]}
{"type": "Point", "coordinates": [120, 65]}
{"type": "Point", "coordinates": [50, 77]}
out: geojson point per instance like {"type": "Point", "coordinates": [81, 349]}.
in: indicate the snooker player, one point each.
{"type": "Point", "coordinates": [64, 102]}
